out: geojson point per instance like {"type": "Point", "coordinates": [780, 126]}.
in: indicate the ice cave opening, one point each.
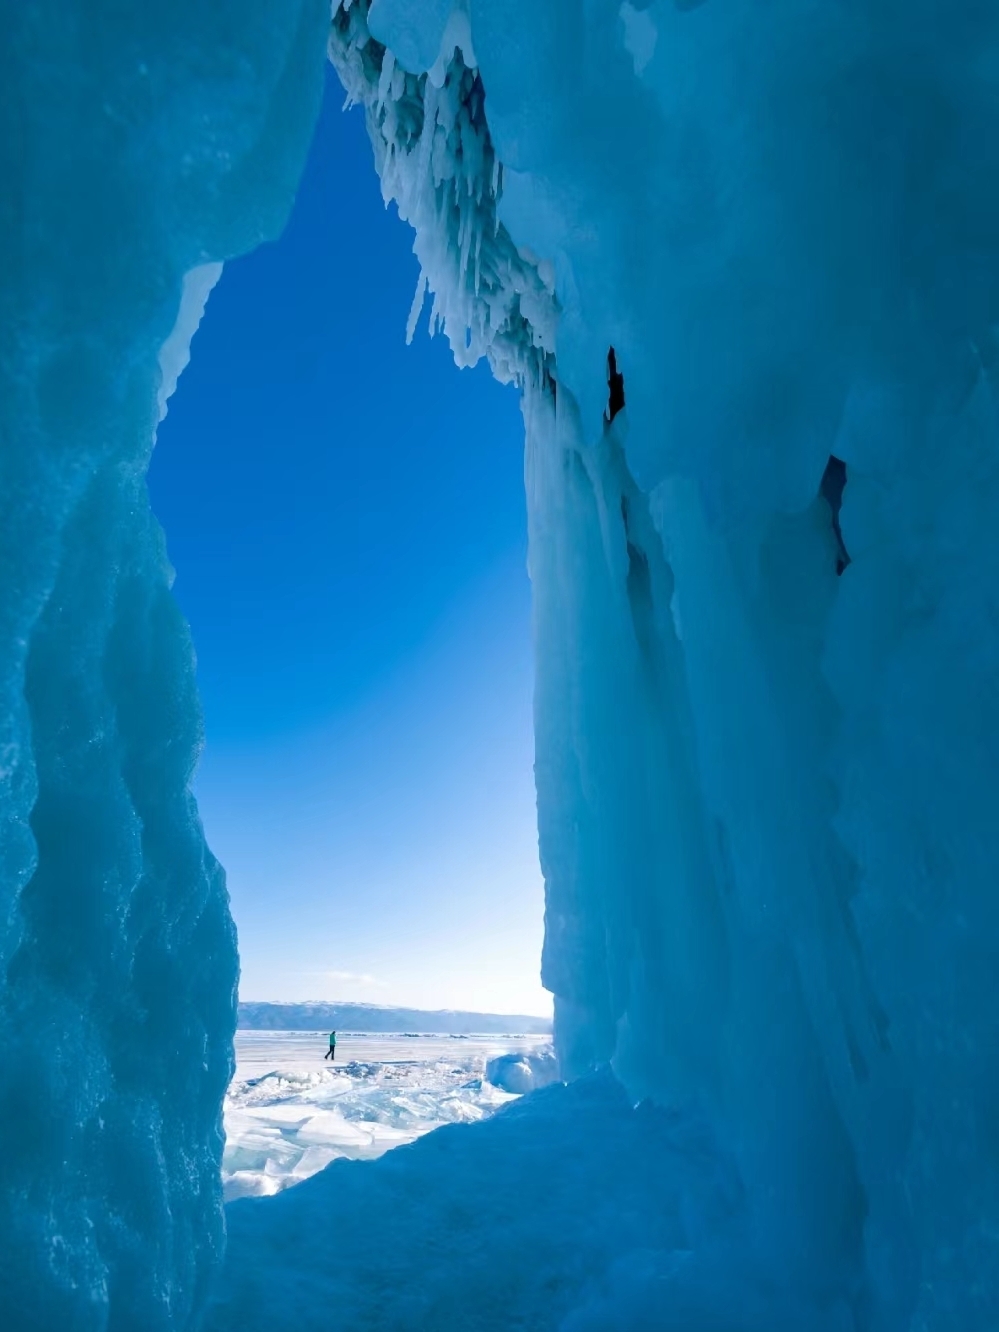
{"type": "Point", "coordinates": [763, 566]}
{"type": "Point", "coordinates": [356, 588]}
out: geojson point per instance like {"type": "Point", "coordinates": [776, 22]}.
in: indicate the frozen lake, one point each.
{"type": "Point", "coordinates": [289, 1113]}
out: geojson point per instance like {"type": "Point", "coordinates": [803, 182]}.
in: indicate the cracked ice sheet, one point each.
{"type": "Point", "coordinates": [288, 1113]}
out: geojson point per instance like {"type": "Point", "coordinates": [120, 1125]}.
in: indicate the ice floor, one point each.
{"type": "Point", "coordinates": [569, 1209]}
{"type": "Point", "coordinates": [288, 1113]}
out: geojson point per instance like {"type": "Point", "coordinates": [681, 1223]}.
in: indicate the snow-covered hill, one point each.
{"type": "Point", "coordinates": [377, 1017]}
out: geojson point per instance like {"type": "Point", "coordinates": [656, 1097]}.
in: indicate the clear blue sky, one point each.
{"type": "Point", "coordinates": [346, 517]}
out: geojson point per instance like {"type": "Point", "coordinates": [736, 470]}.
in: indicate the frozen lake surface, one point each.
{"type": "Point", "coordinates": [289, 1112]}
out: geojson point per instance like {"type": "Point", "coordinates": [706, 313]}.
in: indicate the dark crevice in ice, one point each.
{"type": "Point", "coordinates": [831, 490]}
{"type": "Point", "coordinates": [615, 387]}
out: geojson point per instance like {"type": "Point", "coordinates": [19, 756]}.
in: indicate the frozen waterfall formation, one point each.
{"type": "Point", "coordinates": [767, 635]}
{"type": "Point", "coordinates": [138, 144]}
{"type": "Point", "coordinates": [765, 569]}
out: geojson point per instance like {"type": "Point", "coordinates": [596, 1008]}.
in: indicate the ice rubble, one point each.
{"type": "Point", "coordinates": [288, 1114]}
{"type": "Point", "coordinates": [284, 1127]}
{"type": "Point", "coordinates": [765, 615]}
{"type": "Point", "coordinates": [137, 144]}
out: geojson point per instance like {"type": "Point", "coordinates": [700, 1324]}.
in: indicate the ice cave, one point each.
{"type": "Point", "coordinates": [742, 261]}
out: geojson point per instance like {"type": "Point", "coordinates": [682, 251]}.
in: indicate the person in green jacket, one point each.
{"type": "Point", "coordinates": [331, 1052]}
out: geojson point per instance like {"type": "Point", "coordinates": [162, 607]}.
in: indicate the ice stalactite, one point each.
{"type": "Point", "coordinates": [764, 587]}
{"type": "Point", "coordinates": [436, 162]}
{"type": "Point", "coordinates": [137, 148]}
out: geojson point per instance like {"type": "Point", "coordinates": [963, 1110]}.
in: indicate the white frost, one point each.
{"type": "Point", "coordinates": [640, 35]}
{"type": "Point", "coordinates": [176, 350]}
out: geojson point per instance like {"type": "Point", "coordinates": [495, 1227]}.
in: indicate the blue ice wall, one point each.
{"type": "Point", "coordinates": [136, 143]}
{"type": "Point", "coordinates": [766, 626]}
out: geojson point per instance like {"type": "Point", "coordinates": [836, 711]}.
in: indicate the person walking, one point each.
{"type": "Point", "coordinates": [331, 1052]}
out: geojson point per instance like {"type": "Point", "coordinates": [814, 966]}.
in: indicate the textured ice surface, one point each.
{"type": "Point", "coordinates": [523, 1071]}
{"type": "Point", "coordinates": [546, 1208]}
{"type": "Point", "coordinates": [138, 144]}
{"type": "Point", "coordinates": [288, 1113]}
{"type": "Point", "coordinates": [764, 571]}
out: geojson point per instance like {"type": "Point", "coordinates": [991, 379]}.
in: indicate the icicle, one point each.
{"type": "Point", "coordinates": [465, 237]}
{"type": "Point", "coordinates": [385, 81]}
{"type": "Point", "coordinates": [416, 309]}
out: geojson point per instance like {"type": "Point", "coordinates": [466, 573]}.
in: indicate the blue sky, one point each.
{"type": "Point", "coordinates": [346, 517]}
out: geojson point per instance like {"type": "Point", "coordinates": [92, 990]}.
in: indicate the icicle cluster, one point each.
{"type": "Point", "coordinates": [436, 162]}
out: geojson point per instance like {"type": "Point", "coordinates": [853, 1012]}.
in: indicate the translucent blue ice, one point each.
{"type": "Point", "coordinates": [744, 261]}
{"type": "Point", "coordinates": [139, 144]}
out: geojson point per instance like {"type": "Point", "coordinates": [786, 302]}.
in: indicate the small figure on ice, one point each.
{"type": "Point", "coordinates": [331, 1052]}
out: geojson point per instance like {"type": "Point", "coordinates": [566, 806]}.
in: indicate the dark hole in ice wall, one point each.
{"type": "Point", "coordinates": [615, 387]}
{"type": "Point", "coordinates": [831, 490]}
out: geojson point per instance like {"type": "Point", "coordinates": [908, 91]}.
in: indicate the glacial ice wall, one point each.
{"type": "Point", "coordinates": [764, 570]}
{"type": "Point", "coordinates": [137, 145]}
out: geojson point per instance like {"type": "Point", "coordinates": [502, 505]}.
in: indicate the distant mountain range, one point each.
{"type": "Point", "coordinates": [375, 1017]}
